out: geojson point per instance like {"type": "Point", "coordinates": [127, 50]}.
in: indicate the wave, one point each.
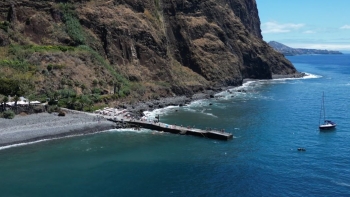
{"type": "Point", "coordinates": [128, 130]}
{"type": "Point", "coordinates": [197, 103]}
{"type": "Point", "coordinates": [210, 114]}
{"type": "Point", "coordinates": [311, 76]}
{"type": "Point", "coordinates": [306, 76]}
{"type": "Point", "coordinates": [46, 139]}
{"type": "Point", "coordinates": [24, 144]}
{"type": "Point", "coordinates": [246, 91]}
{"type": "Point", "coordinates": [75, 135]}
{"type": "Point", "coordinates": [342, 184]}
{"type": "Point", "coordinates": [151, 115]}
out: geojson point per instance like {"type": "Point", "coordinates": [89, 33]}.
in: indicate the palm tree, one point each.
{"type": "Point", "coordinates": [4, 101]}
{"type": "Point", "coordinates": [31, 97]}
{"type": "Point", "coordinates": [16, 99]}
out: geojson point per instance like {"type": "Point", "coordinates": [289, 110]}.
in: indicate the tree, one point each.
{"type": "Point", "coordinates": [30, 98]}
{"type": "Point", "coordinates": [56, 95]}
{"type": "Point", "coordinates": [78, 105]}
{"type": "Point", "coordinates": [117, 87]}
{"type": "Point", "coordinates": [16, 99]}
{"type": "Point", "coordinates": [9, 86]}
{"type": "Point", "coordinates": [85, 101]}
{"type": "Point", "coordinates": [4, 101]}
{"type": "Point", "coordinates": [15, 86]}
{"type": "Point", "coordinates": [70, 103]}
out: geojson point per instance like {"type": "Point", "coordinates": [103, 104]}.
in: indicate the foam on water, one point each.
{"type": "Point", "coordinates": [44, 140]}
{"type": "Point", "coordinates": [246, 91]}
{"type": "Point", "coordinates": [24, 144]}
{"type": "Point", "coordinates": [342, 184]}
{"type": "Point", "coordinates": [130, 130]}
{"type": "Point", "coordinates": [151, 115]}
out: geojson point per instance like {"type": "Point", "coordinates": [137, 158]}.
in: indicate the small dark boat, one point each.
{"type": "Point", "coordinates": [301, 149]}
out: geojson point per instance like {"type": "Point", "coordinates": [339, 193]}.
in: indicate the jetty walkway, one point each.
{"type": "Point", "coordinates": [175, 129]}
{"type": "Point", "coordinates": [163, 127]}
{"type": "Point", "coordinates": [123, 119]}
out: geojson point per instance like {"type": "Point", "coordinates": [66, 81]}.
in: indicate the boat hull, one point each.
{"type": "Point", "coordinates": [327, 127]}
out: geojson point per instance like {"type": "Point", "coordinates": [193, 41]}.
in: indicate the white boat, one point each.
{"type": "Point", "coordinates": [327, 124]}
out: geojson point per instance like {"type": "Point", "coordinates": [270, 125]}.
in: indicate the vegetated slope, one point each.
{"type": "Point", "coordinates": [142, 49]}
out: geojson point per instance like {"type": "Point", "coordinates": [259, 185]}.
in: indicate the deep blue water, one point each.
{"type": "Point", "coordinates": [269, 121]}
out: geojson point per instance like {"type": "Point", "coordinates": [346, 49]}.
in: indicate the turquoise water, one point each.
{"type": "Point", "coordinates": [270, 120]}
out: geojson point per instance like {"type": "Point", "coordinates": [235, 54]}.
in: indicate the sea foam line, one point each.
{"type": "Point", "coordinates": [150, 115]}
{"type": "Point", "coordinates": [343, 184]}
{"type": "Point", "coordinates": [128, 130]}
{"type": "Point", "coordinates": [75, 135]}
{"type": "Point", "coordinates": [47, 139]}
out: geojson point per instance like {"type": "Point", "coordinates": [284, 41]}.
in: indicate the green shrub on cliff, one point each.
{"type": "Point", "coordinates": [124, 83]}
{"type": "Point", "coordinates": [4, 25]}
{"type": "Point", "coordinates": [25, 51]}
{"type": "Point", "coordinates": [15, 86]}
{"type": "Point", "coordinates": [73, 27]}
{"type": "Point", "coordinates": [16, 64]}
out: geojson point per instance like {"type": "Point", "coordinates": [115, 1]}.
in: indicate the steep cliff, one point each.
{"type": "Point", "coordinates": [147, 47]}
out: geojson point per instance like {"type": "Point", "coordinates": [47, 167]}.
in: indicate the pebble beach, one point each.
{"type": "Point", "coordinates": [35, 127]}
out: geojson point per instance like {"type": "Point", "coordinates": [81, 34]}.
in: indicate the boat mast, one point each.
{"type": "Point", "coordinates": [324, 110]}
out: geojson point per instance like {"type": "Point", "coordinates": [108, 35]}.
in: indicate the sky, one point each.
{"type": "Point", "coordinates": [313, 24]}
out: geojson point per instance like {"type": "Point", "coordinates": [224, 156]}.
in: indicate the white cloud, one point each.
{"type": "Point", "coordinates": [345, 27]}
{"type": "Point", "coordinates": [309, 32]}
{"type": "Point", "coordinates": [327, 46]}
{"type": "Point", "coordinates": [274, 27]}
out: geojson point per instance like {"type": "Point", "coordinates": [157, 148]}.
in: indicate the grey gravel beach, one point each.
{"type": "Point", "coordinates": [29, 128]}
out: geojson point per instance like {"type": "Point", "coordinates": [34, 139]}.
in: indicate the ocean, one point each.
{"type": "Point", "coordinates": [269, 120]}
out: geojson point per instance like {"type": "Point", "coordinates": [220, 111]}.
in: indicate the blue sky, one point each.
{"type": "Point", "coordinates": [316, 24]}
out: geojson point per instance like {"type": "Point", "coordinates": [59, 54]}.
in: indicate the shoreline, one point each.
{"type": "Point", "coordinates": [138, 108]}
{"type": "Point", "coordinates": [46, 126]}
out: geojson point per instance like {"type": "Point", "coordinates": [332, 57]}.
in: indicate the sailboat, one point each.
{"type": "Point", "coordinates": [327, 124]}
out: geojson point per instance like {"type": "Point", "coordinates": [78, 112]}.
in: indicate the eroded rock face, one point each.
{"type": "Point", "coordinates": [189, 45]}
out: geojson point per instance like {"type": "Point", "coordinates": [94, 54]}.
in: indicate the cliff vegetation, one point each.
{"type": "Point", "coordinates": [84, 52]}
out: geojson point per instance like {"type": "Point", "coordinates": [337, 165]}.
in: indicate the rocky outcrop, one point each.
{"type": "Point", "coordinates": [168, 47]}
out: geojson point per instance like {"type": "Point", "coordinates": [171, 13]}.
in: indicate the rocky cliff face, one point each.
{"type": "Point", "coordinates": [160, 47]}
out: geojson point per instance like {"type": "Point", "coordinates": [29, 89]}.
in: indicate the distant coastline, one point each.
{"type": "Point", "coordinates": [289, 51]}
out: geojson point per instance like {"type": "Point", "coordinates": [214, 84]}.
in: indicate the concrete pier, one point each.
{"type": "Point", "coordinates": [213, 134]}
